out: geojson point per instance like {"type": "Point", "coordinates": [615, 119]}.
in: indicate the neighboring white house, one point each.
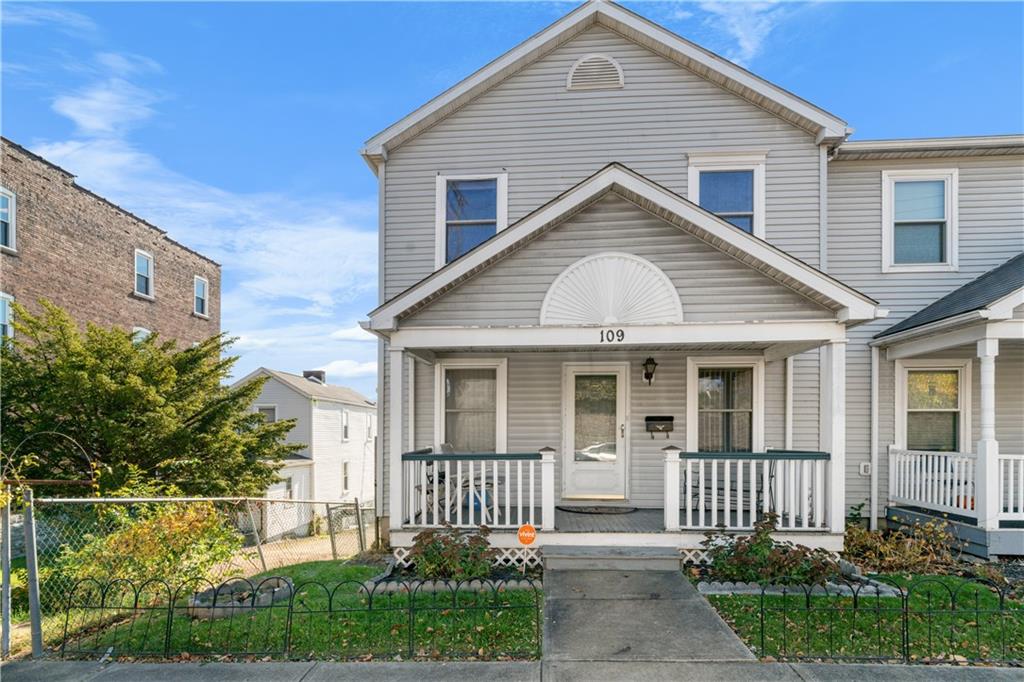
{"type": "Point", "coordinates": [620, 270]}
{"type": "Point", "coordinates": [337, 426]}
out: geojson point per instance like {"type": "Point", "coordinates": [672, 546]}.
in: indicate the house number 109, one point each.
{"type": "Point", "coordinates": [612, 335]}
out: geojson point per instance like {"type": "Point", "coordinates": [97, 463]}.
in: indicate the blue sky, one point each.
{"type": "Point", "coordinates": [236, 126]}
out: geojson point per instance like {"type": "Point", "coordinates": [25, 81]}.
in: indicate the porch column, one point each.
{"type": "Point", "coordinates": [396, 366]}
{"type": "Point", "coordinates": [833, 429]}
{"type": "Point", "coordinates": [987, 495]}
{"type": "Point", "coordinates": [671, 501]}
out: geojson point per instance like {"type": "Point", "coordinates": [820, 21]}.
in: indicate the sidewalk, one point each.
{"type": "Point", "coordinates": [564, 671]}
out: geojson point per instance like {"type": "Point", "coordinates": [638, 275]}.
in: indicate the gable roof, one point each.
{"type": "Point", "coordinates": [716, 69]}
{"type": "Point", "coordinates": [659, 201]}
{"type": "Point", "coordinates": [312, 389]}
{"type": "Point", "coordinates": [993, 286]}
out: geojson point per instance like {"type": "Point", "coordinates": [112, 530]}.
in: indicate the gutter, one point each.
{"type": "Point", "coordinates": [944, 324]}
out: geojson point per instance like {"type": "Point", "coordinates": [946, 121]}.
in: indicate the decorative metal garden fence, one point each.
{"type": "Point", "coordinates": [274, 618]}
{"type": "Point", "coordinates": [934, 619]}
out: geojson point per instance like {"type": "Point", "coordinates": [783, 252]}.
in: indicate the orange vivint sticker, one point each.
{"type": "Point", "coordinates": [527, 534]}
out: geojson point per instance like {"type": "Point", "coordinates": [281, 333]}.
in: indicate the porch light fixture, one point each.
{"type": "Point", "coordinates": [649, 366]}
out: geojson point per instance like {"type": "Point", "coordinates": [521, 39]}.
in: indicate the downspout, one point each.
{"type": "Point", "coordinates": [823, 208]}
{"type": "Point", "coordinates": [874, 438]}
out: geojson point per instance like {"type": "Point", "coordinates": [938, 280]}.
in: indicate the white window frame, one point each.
{"type": "Point", "coordinates": [206, 298]}
{"type": "Point", "coordinates": [500, 365]}
{"type": "Point", "coordinates": [441, 208]}
{"type": "Point", "coordinates": [951, 177]}
{"type": "Point", "coordinates": [289, 487]}
{"type": "Point", "coordinates": [265, 406]}
{"type": "Point", "coordinates": [698, 162]}
{"type": "Point", "coordinates": [369, 426]}
{"type": "Point", "coordinates": [344, 477]}
{"type": "Point", "coordinates": [344, 426]}
{"type": "Point", "coordinates": [12, 220]}
{"type": "Point", "coordinates": [963, 367]}
{"type": "Point", "coordinates": [693, 367]}
{"type": "Point", "coordinates": [9, 322]}
{"type": "Point", "coordinates": [152, 274]}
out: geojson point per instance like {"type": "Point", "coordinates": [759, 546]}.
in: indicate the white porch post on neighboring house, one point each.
{"type": "Point", "coordinates": [987, 493]}
{"type": "Point", "coordinates": [547, 488]}
{"type": "Point", "coordinates": [396, 366]}
{"type": "Point", "coordinates": [833, 429]}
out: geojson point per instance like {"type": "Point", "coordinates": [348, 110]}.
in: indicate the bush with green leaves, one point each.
{"type": "Point", "coordinates": [758, 557]}
{"type": "Point", "coordinates": [449, 553]}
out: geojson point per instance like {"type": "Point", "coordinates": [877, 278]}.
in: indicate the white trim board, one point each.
{"type": "Point", "coordinates": [755, 253]}
{"type": "Point", "coordinates": [733, 78]}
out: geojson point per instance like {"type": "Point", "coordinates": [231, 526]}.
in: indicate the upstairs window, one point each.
{"type": "Point", "coordinates": [8, 224]}
{"type": "Point", "coordinates": [268, 412]}
{"type": "Point", "coordinates": [344, 425]}
{"type": "Point", "coordinates": [143, 274]}
{"type": "Point", "coordinates": [730, 185]}
{"type": "Point", "coordinates": [6, 315]}
{"type": "Point", "coordinates": [919, 231]}
{"type": "Point", "coordinates": [470, 210]}
{"type": "Point", "coordinates": [200, 288]}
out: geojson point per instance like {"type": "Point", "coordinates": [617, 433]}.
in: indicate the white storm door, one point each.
{"type": "Point", "coordinates": [594, 431]}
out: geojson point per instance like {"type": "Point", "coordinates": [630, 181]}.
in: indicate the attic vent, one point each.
{"type": "Point", "coordinates": [595, 72]}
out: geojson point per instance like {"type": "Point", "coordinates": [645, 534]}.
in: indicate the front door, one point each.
{"type": "Point", "coordinates": [594, 425]}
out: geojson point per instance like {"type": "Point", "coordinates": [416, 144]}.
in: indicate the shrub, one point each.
{"type": "Point", "coordinates": [172, 542]}
{"type": "Point", "coordinates": [760, 558]}
{"type": "Point", "coordinates": [923, 548]}
{"type": "Point", "coordinates": [452, 553]}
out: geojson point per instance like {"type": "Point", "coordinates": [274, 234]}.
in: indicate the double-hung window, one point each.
{"type": "Point", "coordinates": [344, 426]}
{"type": "Point", "coordinates": [730, 185]}
{"type": "Point", "coordinates": [932, 398]}
{"type": "Point", "coordinates": [143, 274]}
{"type": "Point", "coordinates": [470, 210]}
{"type": "Point", "coordinates": [471, 402]}
{"type": "Point", "coordinates": [200, 289]}
{"type": "Point", "coordinates": [6, 315]}
{"type": "Point", "coordinates": [919, 220]}
{"type": "Point", "coordinates": [8, 222]}
{"type": "Point", "coordinates": [268, 412]}
{"type": "Point", "coordinates": [344, 477]}
{"type": "Point", "coordinates": [725, 407]}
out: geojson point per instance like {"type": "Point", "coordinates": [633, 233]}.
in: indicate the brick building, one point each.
{"type": "Point", "coordinates": [96, 260]}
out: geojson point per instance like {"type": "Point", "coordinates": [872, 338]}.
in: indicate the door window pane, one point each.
{"type": "Point", "coordinates": [725, 409]}
{"type": "Point", "coordinates": [596, 416]}
{"type": "Point", "coordinates": [471, 214]}
{"type": "Point", "coordinates": [471, 409]}
{"type": "Point", "coordinates": [729, 195]}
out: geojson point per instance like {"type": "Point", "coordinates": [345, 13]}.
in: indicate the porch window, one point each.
{"type": "Point", "coordinates": [725, 409]}
{"type": "Point", "coordinates": [919, 229]}
{"type": "Point", "coordinates": [470, 210]}
{"type": "Point", "coordinates": [471, 409]}
{"type": "Point", "coordinates": [731, 185]}
{"type": "Point", "coordinates": [933, 410]}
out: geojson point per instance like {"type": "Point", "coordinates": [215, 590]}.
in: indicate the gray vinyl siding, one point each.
{"type": "Point", "coordinates": [548, 139]}
{"type": "Point", "coordinates": [535, 409]}
{"type": "Point", "coordinates": [991, 230]}
{"type": "Point", "coordinates": [290, 405]}
{"type": "Point", "coordinates": [711, 285]}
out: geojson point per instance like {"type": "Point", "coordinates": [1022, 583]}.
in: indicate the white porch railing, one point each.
{"type": "Point", "coordinates": [1011, 486]}
{"type": "Point", "coordinates": [733, 490]}
{"type": "Point", "coordinates": [501, 490]}
{"type": "Point", "coordinates": [941, 481]}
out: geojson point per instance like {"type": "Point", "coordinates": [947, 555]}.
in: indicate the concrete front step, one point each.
{"type": "Point", "coordinates": [603, 558]}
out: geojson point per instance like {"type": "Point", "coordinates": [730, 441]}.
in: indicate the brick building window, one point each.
{"type": "Point", "coordinates": [143, 274]}
{"type": "Point", "coordinates": [6, 329]}
{"type": "Point", "coordinates": [8, 224]}
{"type": "Point", "coordinates": [201, 287]}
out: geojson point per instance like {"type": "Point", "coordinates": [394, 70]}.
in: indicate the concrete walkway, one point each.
{"type": "Point", "coordinates": [618, 616]}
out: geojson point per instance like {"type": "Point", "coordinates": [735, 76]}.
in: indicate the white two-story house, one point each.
{"type": "Point", "coordinates": [619, 273]}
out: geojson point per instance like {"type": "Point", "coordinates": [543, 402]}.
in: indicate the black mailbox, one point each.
{"type": "Point", "coordinates": [659, 424]}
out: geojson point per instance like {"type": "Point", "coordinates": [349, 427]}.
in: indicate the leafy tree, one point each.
{"type": "Point", "coordinates": [128, 408]}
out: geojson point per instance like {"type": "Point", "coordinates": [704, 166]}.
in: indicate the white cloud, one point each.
{"type": "Point", "coordinates": [72, 23]}
{"type": "Point", "coordinates": [126, 64]}
{"type": "Point", "coordinates": [106, 107]}
{"type": "Point", "coordinates": [349, 369]}
{"type": "Point", "coordinates": [748, 23]}
{"type": "Point", "coordinates": [353, 333]}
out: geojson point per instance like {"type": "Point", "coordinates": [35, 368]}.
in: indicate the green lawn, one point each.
{"type": "Point", "coordinates": [830, 627]}
{"type": "Point", "coordinates": [333, 617]}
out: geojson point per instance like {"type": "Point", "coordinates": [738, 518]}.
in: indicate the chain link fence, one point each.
{"type": "Point", "coordinates": [173, 540]}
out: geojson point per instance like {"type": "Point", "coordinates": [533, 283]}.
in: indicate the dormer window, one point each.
{"type": "Point", "coordinates": [730, 185]}
{"type": "Point", "coordinates": [470, 210]}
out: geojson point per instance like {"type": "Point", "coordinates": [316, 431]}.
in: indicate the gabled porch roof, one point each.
{"type": "Point", "coordinates": [849, 305]}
